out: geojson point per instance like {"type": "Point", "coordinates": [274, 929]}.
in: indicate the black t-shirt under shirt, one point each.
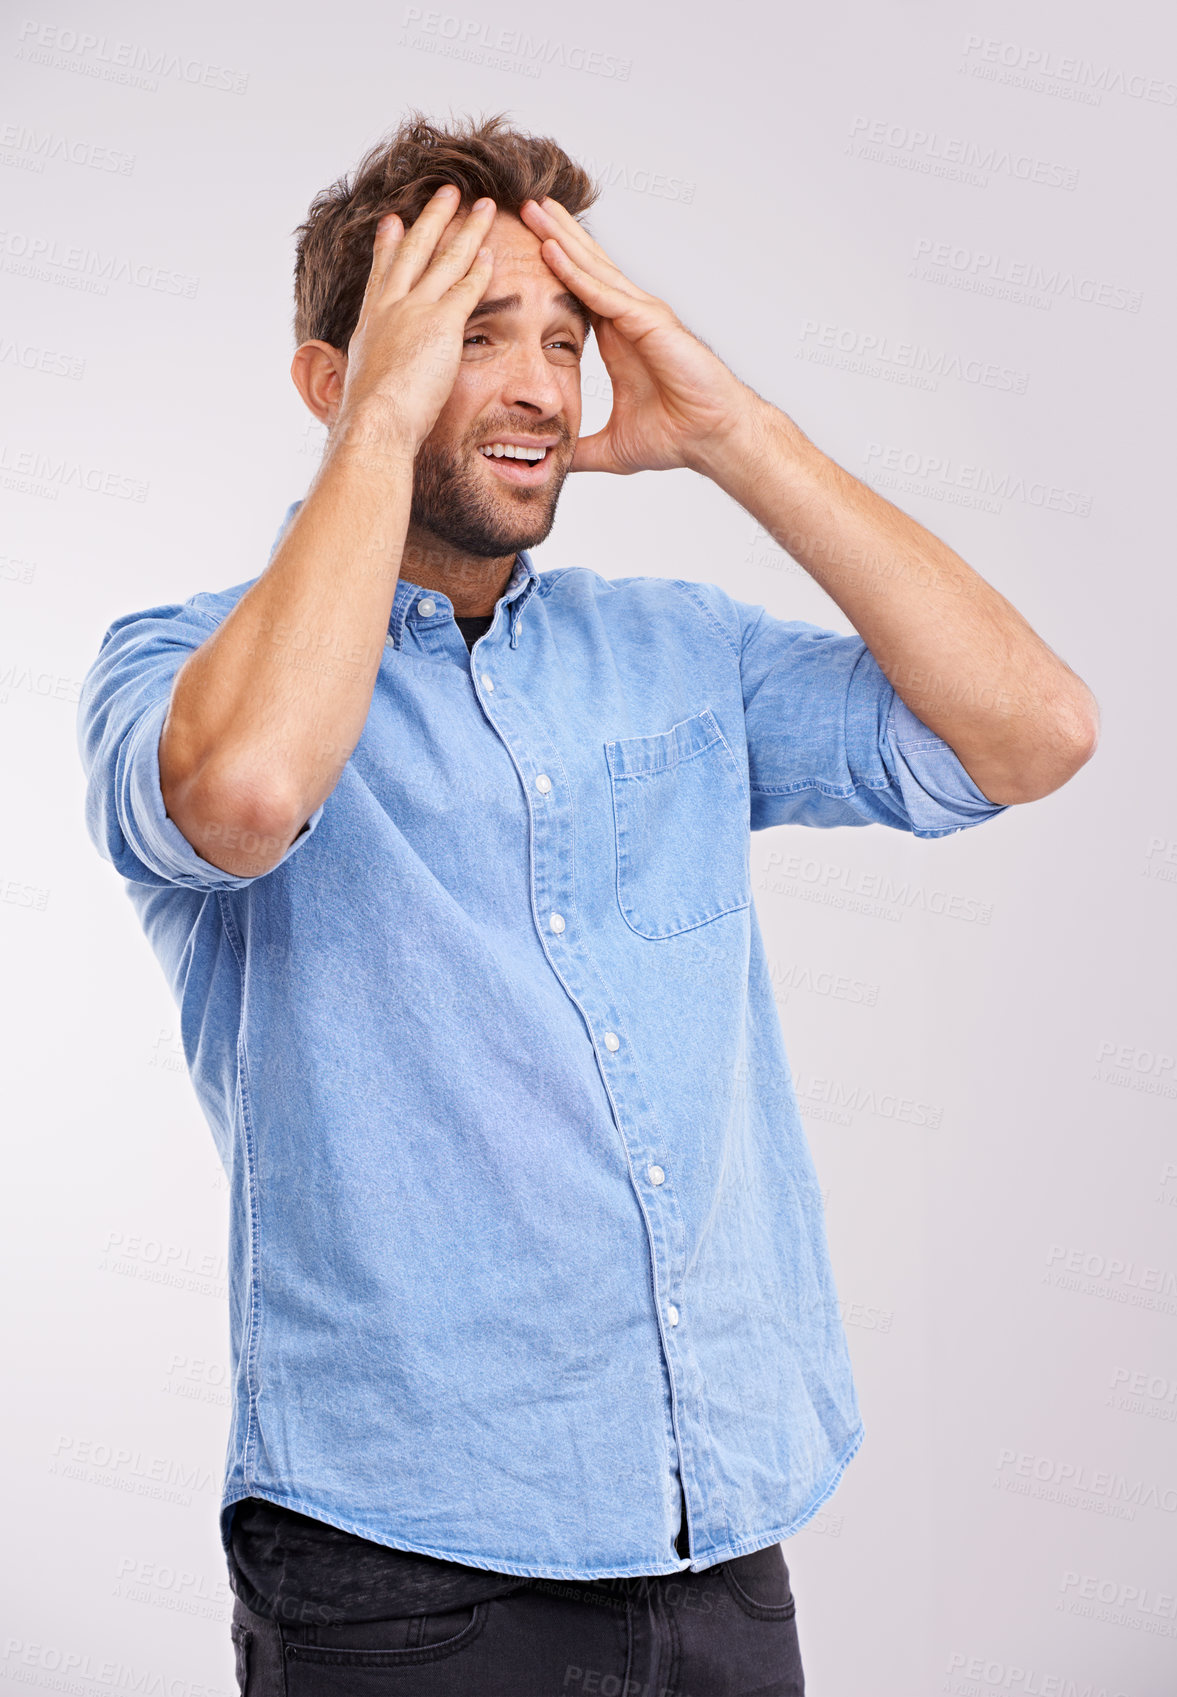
{"type": "Point", "coordinates": [292, 1568]}
{"type": "Point", "coordinates": [299, 1571]}
{"type": "Point", "coordinates": [473, 627]}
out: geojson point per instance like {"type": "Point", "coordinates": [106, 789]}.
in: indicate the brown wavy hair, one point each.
{"type": "Point", "coordinates": [333, 253]}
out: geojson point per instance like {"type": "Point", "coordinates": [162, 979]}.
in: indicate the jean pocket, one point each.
{"type": "Point", "coordinates": [359, 1660]}
{"type": "Point", "coordinates": [241, 1637]}
{"type": "Point", "coordinates": [760, 1584]}
{"type": "Point", "coordinates": [682, 825]}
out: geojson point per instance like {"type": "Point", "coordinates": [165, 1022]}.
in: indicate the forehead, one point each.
{"type": "Point", "coordinates": [514, 244]}
{"type": "Point", "coordinates": [519, 266]}
{"type": "Point", "coordinates": [511, 242]}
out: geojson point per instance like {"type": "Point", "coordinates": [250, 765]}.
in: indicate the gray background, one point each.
{"type": "Point", "coordinates": [982, 1028]}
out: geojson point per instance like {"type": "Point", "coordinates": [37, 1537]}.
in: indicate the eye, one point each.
{"type": "Point", "coordinates": [481, 336]}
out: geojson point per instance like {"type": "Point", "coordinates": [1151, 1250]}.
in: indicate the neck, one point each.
{"type": "Point", "coordinates": [472, 583]}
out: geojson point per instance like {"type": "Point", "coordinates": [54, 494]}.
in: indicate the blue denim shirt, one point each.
{"type": "Point", "coordinates": [524, 1223]}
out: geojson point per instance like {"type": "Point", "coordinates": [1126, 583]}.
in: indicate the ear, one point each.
{"type": "Point", "coordinates": [318, 371]}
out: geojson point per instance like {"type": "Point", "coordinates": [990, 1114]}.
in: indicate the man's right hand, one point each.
{"type": "Point", "coordinates": [406, 349]}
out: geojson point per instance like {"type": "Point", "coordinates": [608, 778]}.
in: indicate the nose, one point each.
{"type": "Point", "coordinates": [529, 381]}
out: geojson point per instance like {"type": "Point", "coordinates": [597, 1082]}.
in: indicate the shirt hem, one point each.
{"type": "Point", "coordinates": [743, 1547]}
{"type": "Point", "coordinates": [518, 1570]}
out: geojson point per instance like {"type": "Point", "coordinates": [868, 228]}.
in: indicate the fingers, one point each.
{"type": "Point", "coordinates": [468, 290]}
{"type": "Point", "coordinates": [567, 225]}
{"type": "Point", "coordinates": [549, 219]}
{"type": "Point", "coordinates": [599, 294]}
{"type": "Point", "coordinates": [583, 267]}
{"type": "Point", "coordinates": [432, 236]}
{"type": "Point", "coordinates": [401, 257]}
{"type": "Point", "coordinates": [389, 234]}
{"type": "Point", "coordinates": [453, 258]}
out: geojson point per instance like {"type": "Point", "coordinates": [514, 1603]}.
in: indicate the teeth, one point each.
{"type": "Point", "coordinates": [502, 451]}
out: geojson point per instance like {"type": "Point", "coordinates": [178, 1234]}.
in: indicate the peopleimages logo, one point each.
{"type": "Point", "coordinates": [15, 676]}
{"type": "Point", "coordinates": [15, 570]}
{"type": "Point", "coordinates": [130, 62]}
{"type": "Point", "coordinates": [1071, 1481]}
{"type": "Point", "coordinates": [1123, 1603]}
{"type": "Point", "coordinates": [1111, 1278]}
{"type": "Point", "coordinates": [840, 884]}
{"type": "Point", "coordinates": [474, 40]}
{"type": "Point", "coordinates": [32, 149]}
{"type": "Point", "coordinates": [49, 362]}
{"type": "Point", "coordinates": [987, 1673]}
{"type": "Point", "coordinates": [25, 254]}
{"type": "Point", "coordinates": [1160, 859]}
{"type": "Point", "coordinates": [121, 1468]}
{"type": "Point", "coordinates": [841, 1101]}
{"type": "Point", "coordinates": [1026, 282]}
{"type": "Point", "coordinates": [1135, 1390]}
{"type": "Point", "coordinates": [56, 1667]}
{"type": "Point", "coordinates": [819, 982]}
{"type": "Point", "coordinates": [901, 361]}
{"type": "Point", "coordinates": [943, 478]}
{"type": "Point", "coordinates": [1112, 1267]}
{"type": "Point", "coordinates": [1038, 67]}
{"type": "Point", "coordinates": [30, 471]}
{"type": "Point", "coordinates": [961, 160]}
{"type": "Point", "coordinates": [1135, 1067]}
{"type": "Point", "coordinates": [639, 179]}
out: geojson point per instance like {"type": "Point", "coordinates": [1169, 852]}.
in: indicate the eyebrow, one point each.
{"type": "Point", "coordinates": [512, 303]}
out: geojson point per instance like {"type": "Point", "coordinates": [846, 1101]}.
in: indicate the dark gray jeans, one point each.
{"type": "Point", "coordinates": [727, 1631]}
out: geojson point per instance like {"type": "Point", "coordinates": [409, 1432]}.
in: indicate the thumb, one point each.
{"type": "Point", "coordinates": [593, 453]}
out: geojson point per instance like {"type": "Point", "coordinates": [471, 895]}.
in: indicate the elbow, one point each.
{"type": "Point", "coordinates": [1075, 741]}
{"type": "Point", "coordinates": [1050, 761]}
{"type": "Point", "coordinates": [1086, 741]}
{"type": "Point", "coordinates": [231, 820]}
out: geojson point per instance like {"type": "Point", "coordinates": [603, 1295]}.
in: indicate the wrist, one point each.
{"type": "Point", "coordinates": [375, 435]}
{"type": "Point", "coordinates": [758, 438]}
{"type": "Point", "coordinates": [725, 450]}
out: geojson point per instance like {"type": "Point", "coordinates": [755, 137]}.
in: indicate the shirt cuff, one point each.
{"type": "Point", "coordinates": [939, 795]}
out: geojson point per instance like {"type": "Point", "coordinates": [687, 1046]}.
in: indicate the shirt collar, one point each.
{"type": "Point", "coordinates": [523, 581]}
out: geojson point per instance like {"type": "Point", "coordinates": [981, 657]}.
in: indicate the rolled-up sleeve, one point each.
{"type": "Point", "coordinates": [122, 706]}
{"type": "Point", "coordinates": [830, 742]}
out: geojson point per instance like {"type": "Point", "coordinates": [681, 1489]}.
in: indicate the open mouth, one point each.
{"type": "Point", "coordinates": [518, 465]}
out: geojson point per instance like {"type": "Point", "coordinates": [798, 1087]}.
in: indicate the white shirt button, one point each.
{"type": "Point", "coordinates": [543, 783]}
{"type": "Point", "coordinates": [556, 921]}
{"type": "Point", "coordinates": [487, 681]}
{"type": "Point", "coordinates": [426, 607]}
{"type": "Point", "coordinates": [656, 1175]}
{"type": "Point", "coordinates": [672, 1314]}
{"type": "Point", "coordinates": [612, 1040]}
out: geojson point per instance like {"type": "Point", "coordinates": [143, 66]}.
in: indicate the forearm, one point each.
{"type": "Point", "coordinates": [265, 714]}
{"type": "Point", "coordinates": [959, 654]}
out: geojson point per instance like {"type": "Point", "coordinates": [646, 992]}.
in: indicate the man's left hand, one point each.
{"type": "Point", "coordinates": [674, 401]}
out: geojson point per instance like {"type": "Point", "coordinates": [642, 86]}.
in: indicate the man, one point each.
{"type": "Point", "coordinates": [535, 1343]}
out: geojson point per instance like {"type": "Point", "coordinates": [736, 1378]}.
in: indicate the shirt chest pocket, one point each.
{"type": "Point", "coordinates": [680, 813]}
